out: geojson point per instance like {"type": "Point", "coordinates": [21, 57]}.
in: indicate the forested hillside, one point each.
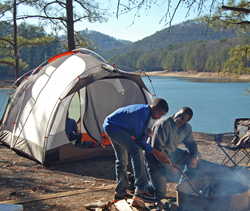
{"type": "Point", "coordinates": [105, 42]}
{"type": "Point", "coordinates": [102, 42]}
{"type": "Point", "coordinates": [186, 46]}
{"type": "Point", "coordinates": [200, 55]}
{"type": "Point", "coordinates": [182, 47]}
{"type": "Point", "coordinates": [185, 32]}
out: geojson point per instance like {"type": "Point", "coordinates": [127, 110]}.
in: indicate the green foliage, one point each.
{"type": "Point", "coordinates": [127, 61]}
{"type": "Point", "coordinates": [198, 55]}
{"type": "Point", "coordinates": [210, 63]}
{"type": "Point", "coordinates": [233, 16]}
{"type": "Point", "coordinates": [150, 60]}
{"type": "Point", "coordinates": [173, 61]}
{"type": "Point", "coordinates": [230, 19]}
{"type": "Point", "coordinates": [33, 44]}
{"type": "Point", "coordinates": [188, 63]}
{"type": "Point", "coordinates": [238, 62]}
{"type": "Point", "coordinates": [11, 42]}
{"type": "Point", "coordinates": [186, 32]}
{"type": "Point", "coordinates": [62, 15]}
{"type": "Point", "coordinates": [83, 42]}
{"type": "Point", "coordinates": [11, 62]}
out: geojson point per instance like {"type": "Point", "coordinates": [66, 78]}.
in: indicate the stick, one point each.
{"type": "Point", "coordinates": [56, 195]}
{"type": "Point", "coordinates": [185, 176]}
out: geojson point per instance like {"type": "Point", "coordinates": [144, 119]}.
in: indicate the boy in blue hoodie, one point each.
{"type": "Point", "coordinates": [127, 129]}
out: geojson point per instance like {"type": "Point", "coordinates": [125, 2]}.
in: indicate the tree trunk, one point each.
{"type": "Point", "coordinates": [15, 43]}
{"type": "Point", "coordinates": [70, 25]}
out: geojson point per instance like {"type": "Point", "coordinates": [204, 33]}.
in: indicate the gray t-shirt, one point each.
{"type": "Point", "coordinates": [166, 138]}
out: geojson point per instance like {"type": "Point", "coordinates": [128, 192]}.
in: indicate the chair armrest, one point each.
{"type": "Point", "coordinates": [218, 137]}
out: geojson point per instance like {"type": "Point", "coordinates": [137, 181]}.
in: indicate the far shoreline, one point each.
{"type": "Point", "coordinates": [204, 75]}
{"type": "Point", "coordinates": [189, 74]}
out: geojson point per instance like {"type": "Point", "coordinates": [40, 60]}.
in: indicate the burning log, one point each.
{"type": "Point", "coordinates": [212, 189]}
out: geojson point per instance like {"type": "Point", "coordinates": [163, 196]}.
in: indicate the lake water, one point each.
{"type": "Point", "coordinates": [215, 104]}
{"type": "Point", "coordinates": [3, 100]}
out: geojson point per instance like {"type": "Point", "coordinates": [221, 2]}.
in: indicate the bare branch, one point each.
{"type": "Point", "coordinates": [8, 41]}
{"type": "Point", "coordinates": [175, 11]}
{"type": "Point", "coordinates": [243, 23]}
{"type": "Point", "coordinates": [39, 16]}
{"type": "Point", "coordinates": [117, 11]}
{"type": "Point", "coordinates": [82, 5]}
{"type": "Point", "coordinates": [7, 63]}
{"type": "Point", "coordinates": [236, 9]}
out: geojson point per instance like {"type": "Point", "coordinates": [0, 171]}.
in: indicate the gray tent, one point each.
{"type": "Point", "coordinates": [80, 82]}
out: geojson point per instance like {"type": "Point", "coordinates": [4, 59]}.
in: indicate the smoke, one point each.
{"type": "Point", "coordinates": [222, 188]}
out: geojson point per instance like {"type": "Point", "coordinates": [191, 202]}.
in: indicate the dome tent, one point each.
{"type": "Point", "coordinates": [80, 82]}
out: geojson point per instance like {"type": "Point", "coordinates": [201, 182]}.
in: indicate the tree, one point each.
{"type": "Point", "coordinates": [11, 44]}
{"type": "Point", "coordinates": [10, 57]}
{"type": "Point", "coordinates": [63, 15]}
{"type": "Point", "coordinates": [233, 16]}
{"type": "Point", "coordinates": [188, 61]}
{"type": "Point", "coordinates": [210, 63]}
{"type": "Point", "coordinates": [37, 54]}
{"type": "Point", "coordinates": [150, 60]}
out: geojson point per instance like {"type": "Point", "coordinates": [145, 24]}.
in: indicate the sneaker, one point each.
{"type": "Point", "coordinates": [118, 197]}
{"type": "Point", "coordinates": [146, 197]}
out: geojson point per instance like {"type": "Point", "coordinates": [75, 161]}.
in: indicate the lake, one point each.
{"type": "Point", "coordinates": [3, 100]}
{"type": "Point", "coordinates": [215, 103]}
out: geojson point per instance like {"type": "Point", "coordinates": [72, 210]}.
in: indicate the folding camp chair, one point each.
{"type": "Point", "coordinates": [237, 152]}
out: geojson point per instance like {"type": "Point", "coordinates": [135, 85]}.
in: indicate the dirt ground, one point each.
{"type": "Point", "coordinates": [71, 186]}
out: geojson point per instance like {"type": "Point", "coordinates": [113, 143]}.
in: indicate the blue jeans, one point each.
{"type": "Point", "coordinates": [158, 172]}
{"type": "Point", "coordinates": [123, 146]}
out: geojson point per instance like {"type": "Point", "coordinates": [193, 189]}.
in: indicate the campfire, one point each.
{"type": "Point", "coordinates": [214, 194]}
{"type": "Point", "coordinates": [213, 189]}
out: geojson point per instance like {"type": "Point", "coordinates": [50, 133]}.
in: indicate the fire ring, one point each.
{"type": "Point", "coordinates": [216, 194]}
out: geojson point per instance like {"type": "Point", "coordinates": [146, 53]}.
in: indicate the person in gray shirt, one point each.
{"type": "Point", "coordinates": [168, 133]}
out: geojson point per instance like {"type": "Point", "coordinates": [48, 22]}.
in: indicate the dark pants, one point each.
{"type": "Point", "coordinates": [77, 137]}
{"type": "Point", "coordinates": [158, 173]}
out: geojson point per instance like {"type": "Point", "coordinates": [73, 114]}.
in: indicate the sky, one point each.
{"type": "Point", "coordinates": [125, 27]}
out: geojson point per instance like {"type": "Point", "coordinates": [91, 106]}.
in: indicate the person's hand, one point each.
{"type": "Point", "coordinates": [103, 145]}
{"type": "Point", "coordinates": [193, 163]}
{"type": "Point", "coordinates": [165, 159]}
{"type": "Point", "coordinates": [67, 135]}
{"type": "Point", "coordinates": [149, 132]}
{"type": "Point", "coordinates": [161, 156]}
{"type": "Point", "coordinates": [79, 132]}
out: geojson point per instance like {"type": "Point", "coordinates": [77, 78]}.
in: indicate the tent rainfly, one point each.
{"type": "Point", "coordinates": [80, 82]}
